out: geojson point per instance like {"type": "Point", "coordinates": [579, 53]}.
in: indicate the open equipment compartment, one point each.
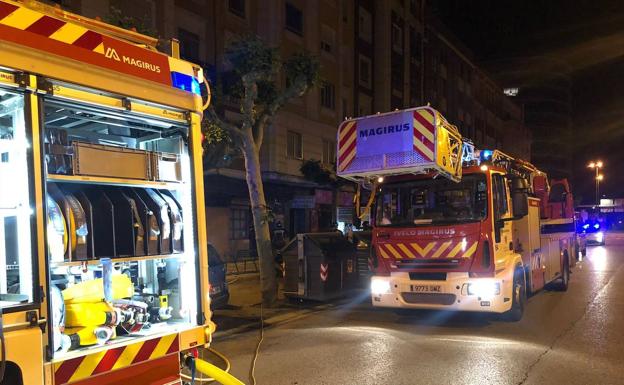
{"type": "Point", "coordinates": [122, 181]}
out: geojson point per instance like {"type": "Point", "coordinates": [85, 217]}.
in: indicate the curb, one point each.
{"type": "Point", "coordinates": [275, 320]}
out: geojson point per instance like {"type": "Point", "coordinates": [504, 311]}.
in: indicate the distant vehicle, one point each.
{"type": "Point", "coordinates": [594, 233]}
{"type": "Point", "coordinates": [219, 292]}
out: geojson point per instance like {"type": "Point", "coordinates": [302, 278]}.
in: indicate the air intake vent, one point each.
{"type": "Point", "coordinates": [486, 259]}
{"type": "Point", "coordinates": [428, 276]}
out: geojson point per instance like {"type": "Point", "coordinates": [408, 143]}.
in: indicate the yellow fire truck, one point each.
{"type": "Point", "coordinates": [103, 261]}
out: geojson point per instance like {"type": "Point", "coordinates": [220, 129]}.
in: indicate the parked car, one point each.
{"type": "Point", "coordinates": [217, 269]}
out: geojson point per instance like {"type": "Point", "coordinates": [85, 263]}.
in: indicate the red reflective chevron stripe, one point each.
{"type": "Point", "coordinates": [108, 361]}
{"type": "Point", "coordinates": [175, 346]}
{"type": "Point", "coordinates": [89, 40]}
{"type": "Point", "coordinates": [146, 350]}
{"type": "Point", "coordinates": [67, 368]}
{"type": "Point", "coordinates": [6, 9]}
{"type": "Point", "coordinates": [45, 26]}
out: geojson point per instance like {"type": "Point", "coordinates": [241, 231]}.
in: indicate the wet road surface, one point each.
{"type": "Point", "coordinates": [576, 337]}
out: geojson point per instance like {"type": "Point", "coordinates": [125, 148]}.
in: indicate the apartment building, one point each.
{"type": "Point", "coordinates": [376, 56]}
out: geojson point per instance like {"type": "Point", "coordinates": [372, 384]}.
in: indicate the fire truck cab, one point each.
{"type": "Point", "coordinates": [453, 227]}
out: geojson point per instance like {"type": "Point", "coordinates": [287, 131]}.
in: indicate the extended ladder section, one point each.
{"type": "Point", "coordinates": [414, 141]}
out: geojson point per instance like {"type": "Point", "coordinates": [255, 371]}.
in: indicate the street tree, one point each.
{"type": "Point", "coordinates": [254, 86]}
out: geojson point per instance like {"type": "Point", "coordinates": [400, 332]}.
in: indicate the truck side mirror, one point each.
{"type": "Point", "coordinates": [519, 197]}
{"type": "Point", "coordinates": [520, 203]}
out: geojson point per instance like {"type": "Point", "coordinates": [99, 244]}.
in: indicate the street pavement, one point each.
{"type": "Point", "coordinates": [576, 337]}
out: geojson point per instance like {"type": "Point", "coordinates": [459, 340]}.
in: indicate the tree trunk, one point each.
{"type": "Point", "coordinates": [259, 212]}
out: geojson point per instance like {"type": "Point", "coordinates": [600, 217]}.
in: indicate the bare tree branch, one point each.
{"type": "Point", "coordinates": [213, 117]}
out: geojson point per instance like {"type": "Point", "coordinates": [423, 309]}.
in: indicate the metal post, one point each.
{"type": "Point", "coordinates": [597, 188]}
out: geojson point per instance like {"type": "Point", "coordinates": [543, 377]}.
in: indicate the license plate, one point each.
{"type": "Point", "coordinates": [426, 288]}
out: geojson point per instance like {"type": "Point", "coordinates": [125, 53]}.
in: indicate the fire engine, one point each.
{"type": "Point", "coordinates": [455, 227]}
{"type": "Point", "coordinates": [103, 261]}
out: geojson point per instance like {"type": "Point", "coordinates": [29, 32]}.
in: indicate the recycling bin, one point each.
{"type": "Point", "coordinates": [319, 266]}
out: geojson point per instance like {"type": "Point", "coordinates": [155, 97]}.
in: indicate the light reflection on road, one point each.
{"type": "Point", "coordinates": [598, 258]}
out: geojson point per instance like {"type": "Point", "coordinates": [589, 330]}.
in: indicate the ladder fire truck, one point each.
{"type": "Point", "coordinates": [454, 227]}
{"type": "Point", "coordinates": [103, 260]}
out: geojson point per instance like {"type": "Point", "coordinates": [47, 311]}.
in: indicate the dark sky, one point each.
{"type": "Point", "coordinates": [589, 36]}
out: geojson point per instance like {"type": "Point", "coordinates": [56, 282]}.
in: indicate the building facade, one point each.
{"type": "Point", "coordinates": [375, 56]}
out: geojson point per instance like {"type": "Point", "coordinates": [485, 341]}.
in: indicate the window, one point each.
{"type": "Point", "coordinates": [294, 19]}
{"type": "Point", "coordinates": [415, 44]}
{"type": "Point", "coordinates": [397, 37]}
{"type": "Point", "coordinates": [328, 38]}
{"type": "Point", "coordinates": [429, 202]}
{"type": "Point", "coordinates": [16, 207]}
{"type": "Point", "coordinates": [328, 95]}
{"type": "Point", "coordinates": [189, 45]}
{"type": "Point", "coordinates": [329, 152]}
{"type": "Point", "coordinates": [365, 25]}
{"type": "Point", "coordinates": [294, 145]}
{"type": "Point", "coordinates": [364, 69]}
{"type": "Point", "coordinates": [499, 192]}
{"type": "Point", "coordinates": [239, 222]}
{"type": "Point", "coordinates": [237, 7]}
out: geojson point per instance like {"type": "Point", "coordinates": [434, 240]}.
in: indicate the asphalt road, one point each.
{"type": "Point", "coordinates": [576, 337]}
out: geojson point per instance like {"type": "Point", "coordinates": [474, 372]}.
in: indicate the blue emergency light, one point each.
{"type": "Point", "coordinates": [596, 226]}
{"type": "Point", "coordinates": [185, 82]}
{"type": "Point", "coordinates": [486, 155]}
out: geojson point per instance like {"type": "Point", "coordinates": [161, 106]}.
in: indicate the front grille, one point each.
{"type": "Point", "coordinates": [429, 298]}
{"type": "Point", "coordinates": [428, 264]}
{"type": "Point", "coordinates": [428, 276]}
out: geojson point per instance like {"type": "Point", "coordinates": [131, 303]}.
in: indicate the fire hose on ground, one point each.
{"type": "Point", "coordinates": [215, 373]}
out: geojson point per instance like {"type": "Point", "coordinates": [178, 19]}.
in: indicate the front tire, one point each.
{"type": "Point", "coordinates": [518, 298]}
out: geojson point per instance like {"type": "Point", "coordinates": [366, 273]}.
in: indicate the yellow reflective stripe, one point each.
{"type": "Point", "coordinates": [125, 359]}
{"type": "Point", "coordinates": [345, 162]}
{"type": "Point", "coordinates": [407, 251]}
{"type": "Point", "coordinates": [87, 366]}
{"type": "Point", "coordinates": [383, 252]}
{"type": "Point", "coordinates": [423, 148]}
{"type": "Point", "coordinates": [421, 251]}
{"type": "Point", "coordinates": [68, 33]}
{"type": "Point", "coordinates": [439, 251]}
{"type": "Point", "coordinates": [455, 250]}
{"type": "Point", "coordinates": [21, 18]}
{"type": "Point", "coordinates": [99, 49]}
{"type": "Point", "coordinates": [424, 131]}
{"type": "Point", "coordinates": [470, 251]}
{"type": "Point", "coordinates": [348, 143]}
{"type": "Point", "coordinates": [345, 129]}
{"type": "Point", "coordinates": [394, 252]}
{"type": "Point", "coordinates": [426, 114]}
{"type": "Point", "coordinates": [163, 346]}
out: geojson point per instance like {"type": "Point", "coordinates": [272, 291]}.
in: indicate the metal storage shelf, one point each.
{"type": "Point", "coordinates": [112, 181]}
{"type": "Point", "coordinates": [116, 260]}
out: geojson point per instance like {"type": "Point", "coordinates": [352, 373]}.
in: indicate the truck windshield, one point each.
{"type": "Point", "coordinates": [432, 201]}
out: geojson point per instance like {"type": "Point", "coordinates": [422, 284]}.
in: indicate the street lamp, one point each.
{"type": "Point", "coordinates": [597, 165]}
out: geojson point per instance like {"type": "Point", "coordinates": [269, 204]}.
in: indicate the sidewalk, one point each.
{"type": "Point", "coordinates": [243, 311]}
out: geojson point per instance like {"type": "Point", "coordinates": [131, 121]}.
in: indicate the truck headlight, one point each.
{"type": "Point", "coordinates": [599, 237]}
{"type": "Point", "coordinates": [379, 287]}
{"type": "Point", "coordinates": [484, 289]}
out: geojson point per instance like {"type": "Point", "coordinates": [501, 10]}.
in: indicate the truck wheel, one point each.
{"type": "Point", "coordinates": [518, 300]}
{"type": "Point", "coordinates": [564, 281]}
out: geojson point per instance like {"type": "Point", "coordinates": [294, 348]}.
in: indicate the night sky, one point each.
{"type": "Point", "coordinates": [589, 36]}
